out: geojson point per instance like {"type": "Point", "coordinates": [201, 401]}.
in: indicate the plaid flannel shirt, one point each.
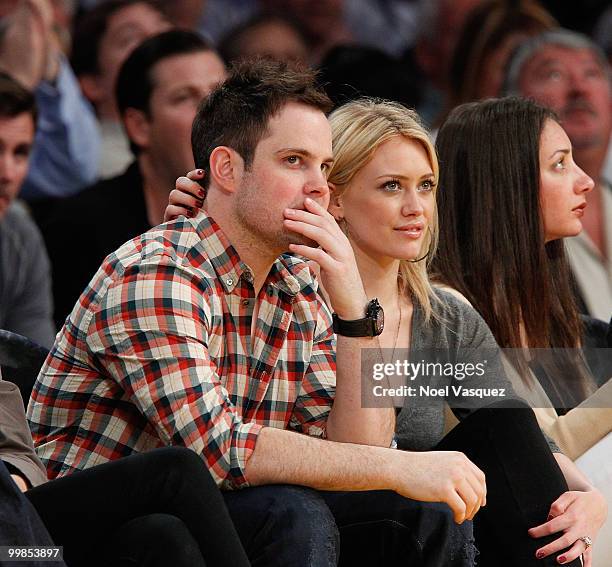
{"type": "Point", "coordinates": [158, 351]}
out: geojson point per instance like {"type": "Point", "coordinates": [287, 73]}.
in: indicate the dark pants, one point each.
{"type": "Point", "coordinates": [523, 480]}
{"type": "Point", "coordinates": [314, 529]}
{"type": "Point", "coordinates": [159, 508]}
{"type": "Point", "coordinates": [284, 526]}
{"type": "Point", "coordinates": [19, 522]}
{"type": "Point", "coordinates": [381, 528]}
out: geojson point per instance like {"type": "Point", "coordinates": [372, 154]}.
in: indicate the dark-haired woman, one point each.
{"type": "Point", "coordinates": [511, 192]}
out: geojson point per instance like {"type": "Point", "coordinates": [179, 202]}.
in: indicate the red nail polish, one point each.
{"type": "Point", "coordinates": [200, 171]}
{"type": "Point", "coordinates": [201, 193]}
{"type": "Point", "coordinates": [561, 559]}
{"type": "Point", "coordinates": [550, 517]}
{"type": "Point", "coordinates": [540, 554]}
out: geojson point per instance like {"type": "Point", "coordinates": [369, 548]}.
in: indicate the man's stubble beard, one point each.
{"type": "Point", "coordinates": [264, 226]}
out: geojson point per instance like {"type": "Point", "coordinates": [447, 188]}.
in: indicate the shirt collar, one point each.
{"type": "Point", "coordinates": [288, 273]}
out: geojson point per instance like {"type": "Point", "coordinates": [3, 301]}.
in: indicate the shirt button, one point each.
{"type": "Point", "coordinates": [229, 281]}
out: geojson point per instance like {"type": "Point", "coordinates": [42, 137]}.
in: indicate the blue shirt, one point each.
{"type": "Point", "coordinates": [67, 145]}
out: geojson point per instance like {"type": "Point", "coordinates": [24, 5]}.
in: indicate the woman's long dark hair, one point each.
{"type": "Point", "coordinates": [492, 243]}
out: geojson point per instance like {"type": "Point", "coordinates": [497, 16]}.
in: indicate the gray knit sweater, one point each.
{"type": "Point", "coordinates": [462, 333]}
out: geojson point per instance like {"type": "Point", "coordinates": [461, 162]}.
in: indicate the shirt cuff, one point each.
{"type": "Point", "coordinates": [244, 438]}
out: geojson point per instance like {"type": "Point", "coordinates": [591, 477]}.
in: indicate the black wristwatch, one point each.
{"type": "Point", "coordinates": [371, 325]}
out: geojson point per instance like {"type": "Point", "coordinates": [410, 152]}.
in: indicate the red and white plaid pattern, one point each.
{"type": "Point", "coordinates": [158, 351]}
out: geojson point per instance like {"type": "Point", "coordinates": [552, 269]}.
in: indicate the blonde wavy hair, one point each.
{"type": "Point", "coordinates": [358, 129]}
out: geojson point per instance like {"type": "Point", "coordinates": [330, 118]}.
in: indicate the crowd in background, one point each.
{"type": "Point", "coordinates": [109, 129]}
{"type": "Point", "coordinates": [430, 56]}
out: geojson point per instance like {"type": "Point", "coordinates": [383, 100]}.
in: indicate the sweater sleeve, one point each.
{"type": "Point", "coordinates": [474, 335]}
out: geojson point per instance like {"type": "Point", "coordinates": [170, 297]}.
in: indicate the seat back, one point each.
{"type": "Point", "coordinates": [21, 360]}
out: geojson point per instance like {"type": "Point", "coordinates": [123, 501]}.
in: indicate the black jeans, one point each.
{"type": "Point", "coordinates": [523, 480]}
{"type": "Point", "coordinates": [318, 529]}
{"type": "Point", "coordinates": [159, 508]}
{"type": "Point", "coordinates": [284, 526]}
{"type": "Point", "coordinates": [382, 528]}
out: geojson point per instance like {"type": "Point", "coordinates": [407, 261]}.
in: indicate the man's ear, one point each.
{"type": "Point", "coordinates": [226, 168]}
{"type": "Point", "coordinates": [137, 127]}
{"type": "Point", "coordinates": [335, 207]}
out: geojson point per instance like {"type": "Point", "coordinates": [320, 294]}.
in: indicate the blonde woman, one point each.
{"type": "Point", "coordinates": [384, 181]}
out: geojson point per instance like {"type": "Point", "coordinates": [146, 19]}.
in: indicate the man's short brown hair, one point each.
{"type": "Point", "coordinates": [236, 114]}
{"type": "Point", "coordinates": [16, 99]}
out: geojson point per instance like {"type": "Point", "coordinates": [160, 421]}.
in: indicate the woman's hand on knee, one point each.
{"type": "Point", "coordinates": [575, 515]}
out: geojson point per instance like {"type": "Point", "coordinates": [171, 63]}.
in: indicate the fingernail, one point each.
{"type": "Point", "coordinates": [200, 172]}
{"type": "Point", "coordinates": [561, 559]}
{"type": "Point", "coordinates": [539, 554]}
{"type": "Point", "coordinates": [200, 204]}
{"type": "Point", "coordinates": [201, 193]}
{"type": "Point", "coordinates": [308, 200]}
{"type": "Point", "coordinates": [289, 212]}
{"type": "Point", "coordinates": [550, 517]}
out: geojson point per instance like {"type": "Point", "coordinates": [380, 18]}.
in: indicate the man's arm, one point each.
{"type": "Point", "coordinates": [285, 457]}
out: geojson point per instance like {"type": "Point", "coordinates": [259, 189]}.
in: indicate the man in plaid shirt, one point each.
{"type": "Point", "coordinates": [205, 333]}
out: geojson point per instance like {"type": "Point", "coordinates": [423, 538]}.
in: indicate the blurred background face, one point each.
{"type": "Point", "coordinates": [494, 66]}
{"type": "Point", "coordinates": [562, 184]}
{"type": "Point", "coordinates": [316, 17]}
{"type": "Point", "coordinates": [181, 82]}
{"type": "Point", "coordinates": [434, 54]}
{"type": "Point", "coordinates": [127, 28]}
{"type": "Point", "coordinates": [16, 138]}
{"type": "Point", "coordinates": [274, 39]}
{"type": "Point", "coordinates": [574, 84]}
{"type": "Point", "coordinates": [184, 14]}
